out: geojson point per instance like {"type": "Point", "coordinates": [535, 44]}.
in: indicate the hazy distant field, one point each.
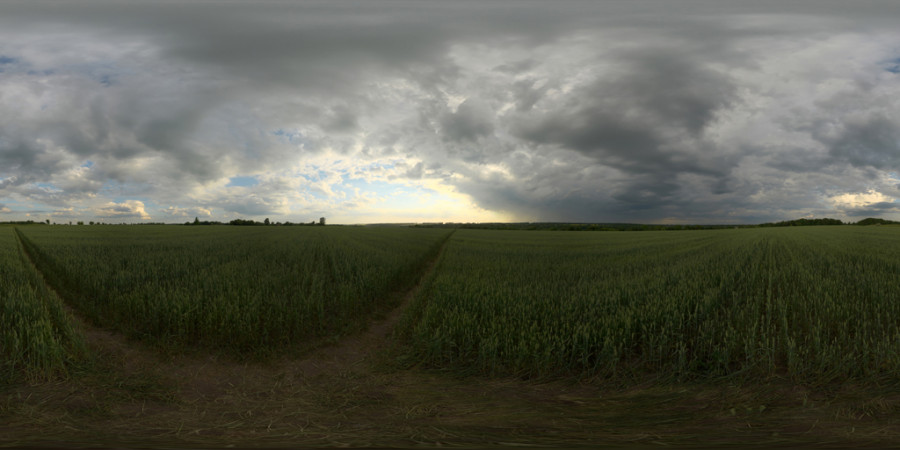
{"type": "Point", "coordinates": [809, 303]}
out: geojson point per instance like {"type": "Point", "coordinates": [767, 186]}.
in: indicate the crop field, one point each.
{"type": "Point", "coordinates": [815, 304]}
{"type": "Point", "coordinates": [37, 339]}
{"type": "Point", "coordinates": [341, 336]}
{"type": "Point", "coordinates": [250, 291]}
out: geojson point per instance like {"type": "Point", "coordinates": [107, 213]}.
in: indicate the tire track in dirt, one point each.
{"type": "Point", "coordinates": [360, 348]}
{"type": "Point", "coordinates": [103, 343]}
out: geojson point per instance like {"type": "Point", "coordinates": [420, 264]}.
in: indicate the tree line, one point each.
{"type": "Point", "coordinates": [250, 222]}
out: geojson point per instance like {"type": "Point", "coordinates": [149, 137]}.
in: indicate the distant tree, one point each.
{"type": "Point", "coordinates": [874, 221]}
{"type": "Point", "coordinates": [803, 223]}
{"type": "Point", "coordinates": [80, 222]}
{"type": "Point", "coordinates": [48, 221]}
{"type": "Point", "coordinates": [91, 222]}
{"type": "Point", "coordinates": [266, 221]}
{"type": "Point", "coordinates": [196, 221]}
{"type": "Point", "coordinates": [243, 222]}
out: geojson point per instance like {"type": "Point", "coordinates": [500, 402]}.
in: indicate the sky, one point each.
{"type": "Point", "coordinates": [649, 111]}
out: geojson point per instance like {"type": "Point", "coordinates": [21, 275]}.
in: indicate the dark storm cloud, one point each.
{"type": "Point", "coordinates": [647, 120]}
{"type": "Point", "coordinates": [313, 43]}
{"type": "Point", "coordinates": [526, 94]}
{"type": "Point", "coordinates": [470, 121]}
{"type": "Point", "coordinates": [874, 208]}
{"type": "Point", "coordinates": [614, 110]}
{"type": "Point", "coordinates": [341, 119]}
{"type": "Point", "coordinates": [865, 142]}
{"type": "Point", "coordinates": [655, 98]}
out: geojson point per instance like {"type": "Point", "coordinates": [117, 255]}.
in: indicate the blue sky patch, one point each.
{"type": "Point", "coordinates": [145, 200]}
{"type": "Point", "coordinates": [48, 187]}
{"type": "Point", "coordinates": [242, 182]}
{"type": "Point", "coordinates": [7, 60]}
{"type": "Point", "coordinates": [319, 175]}
{"type": "Point", "coordinates": [893, 66]}
{"type": "Point", "coordinates": [292, 137]}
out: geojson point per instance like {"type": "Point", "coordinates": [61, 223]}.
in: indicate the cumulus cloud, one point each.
{"type": "Point", "coordinates": [865, 204]}
{"type": "Point", "coordinates": [128, 209]}
{"type": "Point", "coordinates": [862, 199]}
{"type": "Point", "coordinates": [195, 211]}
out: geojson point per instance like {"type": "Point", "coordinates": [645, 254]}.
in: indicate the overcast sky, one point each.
{"type": "Point", "coordinates": [654, 111]}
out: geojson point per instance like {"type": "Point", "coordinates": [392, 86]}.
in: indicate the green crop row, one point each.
{"type": "Point", "coordinates": [247, 290]}
{"type": "Point", "coordinates": [814, 304]}
{"type": "Point", "coordinates": [37, 339]}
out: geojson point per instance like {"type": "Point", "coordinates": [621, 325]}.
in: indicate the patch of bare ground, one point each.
{"type": "Point", "coordinates": [342, 395]}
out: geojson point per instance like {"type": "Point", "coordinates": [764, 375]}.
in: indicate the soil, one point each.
{"type": "Point", "coordinates": [350, 394]}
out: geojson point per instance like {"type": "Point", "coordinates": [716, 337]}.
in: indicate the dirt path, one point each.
{"type": "Point", "coordinates": [360, 349]}
{"type": "Point", "coordinates": [341, 396]}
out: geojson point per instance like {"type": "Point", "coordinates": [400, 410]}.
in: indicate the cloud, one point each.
{"type": "Point", "coordinates": [341, 119]}
{"type": "Point", "coordinates": [869, 203]}
{"type": "Point", "coordinates": [869, 141]}
{"type": "Point", "coordinates": [857, 200]}
{"type": "Point", "coordinates": [128, 209]}
{"type": "Point", "coordinates": [254, 205]}
{"type": "Point", "coordinates": [64, 213]}
{"type": "Point", "coordinates": [588, 111]}
{"type": "Point", "coordinates": [470, 121]}
{"type": "Point", "coordinates": [175, 211]}
{"type": "Point", "coordinates": [635, 119]}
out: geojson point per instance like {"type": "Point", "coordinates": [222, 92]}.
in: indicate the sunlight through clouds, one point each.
{"type": "Point", "coordinates": [860, 200]}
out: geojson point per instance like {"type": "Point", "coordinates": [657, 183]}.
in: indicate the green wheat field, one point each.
{"type": "Point", "coordinates": [811, 304]}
